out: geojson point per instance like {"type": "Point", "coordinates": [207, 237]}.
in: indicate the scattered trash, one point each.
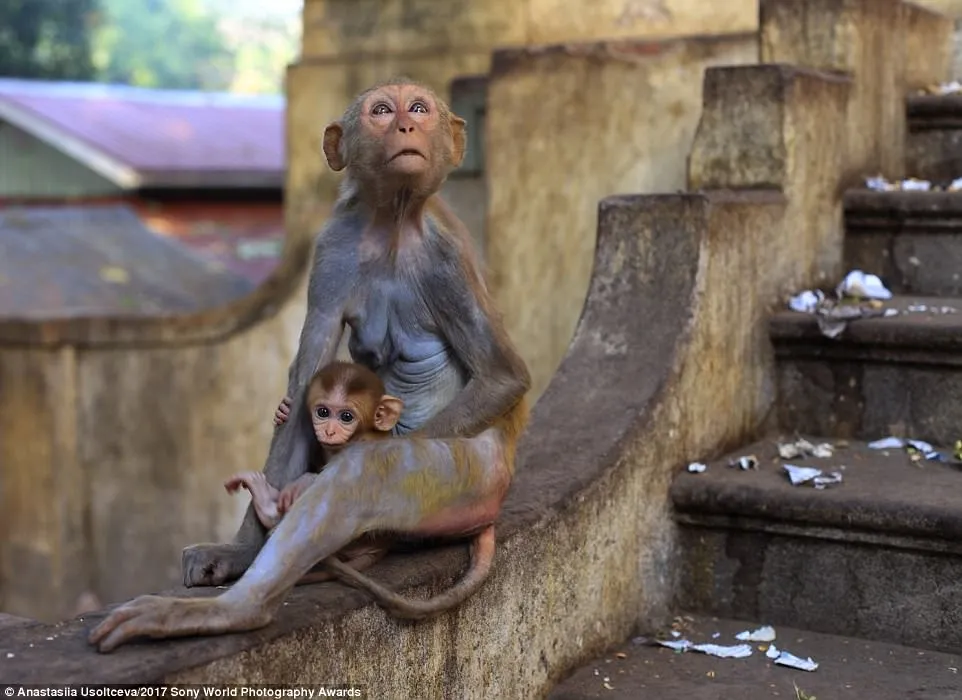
{"type": "Point", "coordinates": [801, 694]}
{"type": "Point", "coordinates": [697, 467]}
{"type": "Point", "coordinates": [716, 635]}
{"type": "Point", "coordinates": [621, 655]}
{"type": "Point", "coordinates": [772, 652]}
{"type": "Point", "coordinates": [792, 661]}
{"type": "Point", "coordinates": [10, 655]}
{"type": "Point", "coordinates": [807, 301]}
{"type": "Point", "coordinates": [762, 634]}
{"type": "Point", "coordinates": [942, 88]}
{"type": "Point", "coordinates": [802, 448]}
{"type": "Point", "coordinates": [878, 183]}
{"type": "Point", "coordinates": [858, 295]}
{"type": "Point", "coordinates": [736, 651]}
{"type": "Point", "coordinates": [913, 447]}
{"type": "Point", "coordinates": [745, 463]}
{"type": "Point", "coordinates": [859, 285]}
{"type": "Point", "coordinates": [675, 633]}
{"type": "Point", "coordinates": [801, 475]}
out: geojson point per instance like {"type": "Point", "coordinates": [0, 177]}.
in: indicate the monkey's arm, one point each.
{"type": "Point", "coordinates": [497, 375]}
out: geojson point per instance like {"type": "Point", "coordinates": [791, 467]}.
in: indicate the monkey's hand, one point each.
{"type": "Point", "coordinates": [215, 564]}
{"type": "Point", "coordinates": [283, 411]}
{"type": "Point", "coordinates": [159, 617]}
{"type": "Point", "coordinates": [293, 490]}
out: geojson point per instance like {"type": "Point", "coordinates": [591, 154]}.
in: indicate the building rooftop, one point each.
{"type": "Point", "coordinates": [139, 138]}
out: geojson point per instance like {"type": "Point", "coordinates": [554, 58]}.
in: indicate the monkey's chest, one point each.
{"type": "Point", "coordinates": [390, 324]}
{"type": "Point", "coordinates": [393, 334]}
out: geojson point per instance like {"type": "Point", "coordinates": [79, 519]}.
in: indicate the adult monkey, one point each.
{"type": "Point", "coordinates": [395, 265]}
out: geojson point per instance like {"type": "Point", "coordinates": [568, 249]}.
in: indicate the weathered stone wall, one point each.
{"type": "Point", "coordinates": [611, 118]}
{"type": "Point", "coordinates": [113, 451]}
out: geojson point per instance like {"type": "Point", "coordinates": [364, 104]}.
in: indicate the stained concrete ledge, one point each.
{"type": "Point", "coordinates": [577, 508]}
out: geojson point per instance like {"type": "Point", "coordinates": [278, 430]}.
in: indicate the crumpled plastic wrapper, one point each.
{"type": "Point", "coordinates": [784, 658]}
{"type": "Point", "coordinates": [762, 634]}
{"type": "Point", "coordinates": [858, 295]}
{"type": "Point", "coordinates": [949, 88]}
{"type": "Point", "coordinates": [820, 480]}
{"type": "Point", "coordinates": [697, 467]}
{"type": "Point", "coordinates": [736, 651]}
{"type": "Point", "coordinates": [745, 463]}
{"type": "Point", "coordinates": [803, 448]}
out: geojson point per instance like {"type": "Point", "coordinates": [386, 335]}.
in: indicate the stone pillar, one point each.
{"type": "Point", "coordinates": [566, 126]}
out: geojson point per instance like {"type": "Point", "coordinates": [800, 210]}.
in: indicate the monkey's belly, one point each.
{"type": "Point", "coordinates": [426, 386]}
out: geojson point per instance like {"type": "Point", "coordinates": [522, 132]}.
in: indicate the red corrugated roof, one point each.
{"type": "Point", "coordinates": [168, 137]}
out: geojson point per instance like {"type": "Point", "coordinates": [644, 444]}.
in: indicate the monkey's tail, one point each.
{"type": "Point", "coordinates": [482, 556]}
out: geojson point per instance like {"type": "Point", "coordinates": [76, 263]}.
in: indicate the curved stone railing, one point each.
{"type": "Point", "coordinates": [574, 530]}
{"type": "Point", "coordinates": [115, 438]}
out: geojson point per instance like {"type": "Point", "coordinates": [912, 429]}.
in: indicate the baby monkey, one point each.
{"type": "Point", "coordinates": [347, 403]}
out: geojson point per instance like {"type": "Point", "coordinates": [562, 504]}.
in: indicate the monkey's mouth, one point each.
{"type": "Point", "coordinates": [406, 152]}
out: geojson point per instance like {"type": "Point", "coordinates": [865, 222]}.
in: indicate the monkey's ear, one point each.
{"type": "Point", "coordinates": [458, 140]}
{"type": "Point", "coordinates": [387, 413]}
{"type": "Point", "coordinates": [332, 146]}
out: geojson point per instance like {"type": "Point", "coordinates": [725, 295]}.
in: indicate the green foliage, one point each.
{"type": "Point", "coordinates": [161, 44]}
{"type": "Point", "coordinates": [46, 39]}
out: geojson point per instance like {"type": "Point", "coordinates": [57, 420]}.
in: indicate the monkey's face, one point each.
{"type": "Point", "coordinates": [335, 419]}
{"type": "Point", "coordinates": [402, 126]}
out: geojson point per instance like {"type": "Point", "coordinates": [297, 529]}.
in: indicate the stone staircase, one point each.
{"type": "Point", "coordinates": [879, 556]}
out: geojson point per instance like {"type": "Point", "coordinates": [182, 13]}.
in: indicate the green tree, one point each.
{"type": "Point", "coordinates": [46, 39]}
{"type": "Point", "coordinates": [161, 44]}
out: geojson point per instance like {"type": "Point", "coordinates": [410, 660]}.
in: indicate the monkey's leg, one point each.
{"type": "Point", "coordinates": [393, 485]}
{"type": "Point", "coordinates": [482, 556]}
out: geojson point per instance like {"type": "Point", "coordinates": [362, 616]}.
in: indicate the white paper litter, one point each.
{"type": "Point", "coordinates": [697, 467]}
{"type": "Point", "coordinates": [889, 443]}
{"type": "Point", "coordinates": [894, 443]}
{"type": "Point", "coordinates": [862, 285]}
{"type": "Point", "coordinates": [806, 302]}
{"type": "Point", "coordinates": [772, 652]}
{"type": "Point", "coordinates": [800, 475]}
{"type": "Point", "coordinates": [823, 451]}
{"type": "Point", "coordinates": [792, 661]}
{"type": "Point", "coordinates": [745, 463]}
{"type": "Point", "coordinates": [762, 634]}
{"type": "Point", "coordinates": [736, 651]}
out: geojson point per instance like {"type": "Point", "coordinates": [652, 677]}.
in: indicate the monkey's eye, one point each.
{"type": "Point", "coordinates": [346, 417]}
{"type": "Point", "coordinates": [419, 107]}
{"type": "Point", "coordinates": [380, 108]}
{"type": "Point", "coordinates": [322, 412]}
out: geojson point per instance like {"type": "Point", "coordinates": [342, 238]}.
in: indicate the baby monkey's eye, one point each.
{"type": "Point", "coordinates": [346, 417]}
{"type": "Point", "coordinates": [380, 108]}
{"type": "Point", "coordinates": [418, 107]}
{"type": "Point", "coordinates": [322, 412]}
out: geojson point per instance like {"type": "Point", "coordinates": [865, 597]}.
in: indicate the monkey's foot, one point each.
{"type": "Point", "coordinates": [215, 564]}
{"type": "Point", "coordinates": [158, 618]}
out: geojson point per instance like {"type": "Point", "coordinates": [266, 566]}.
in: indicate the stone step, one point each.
{"type": "Point", "coordinates": [881, 375]}
{"type": "Point", "coordinates": [933, 148]}
{"type": "Point", "coordinates": [848, 669]}
{"type": "Point", "coordinates": [878, 556]}
{"type": "Point", "coordinates": [910, 239]}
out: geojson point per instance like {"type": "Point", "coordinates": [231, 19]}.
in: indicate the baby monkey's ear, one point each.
{"type": "Point", "coordinates": [387, 413]}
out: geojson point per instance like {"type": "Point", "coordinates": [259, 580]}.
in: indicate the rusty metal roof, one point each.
{"type": "Point", "coordinates": [137, 137]}
{"type": "Point", "coordinates": [66, 262]}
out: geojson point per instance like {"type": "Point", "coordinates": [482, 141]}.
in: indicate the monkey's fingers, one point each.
{"type": "Point", "coordinates": [234, 483]}
{"type": "Point", "coordinates": [141, 617]}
